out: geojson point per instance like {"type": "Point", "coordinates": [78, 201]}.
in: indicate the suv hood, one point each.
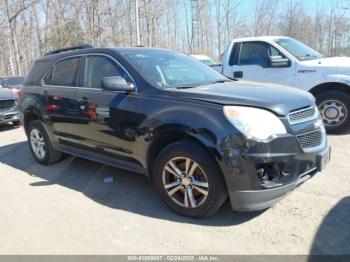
{"type": "Point", "coordinates": [7, 94]}
{"type": "Point", "coordinates": [341, 62]}
{"type": "Point", "coordinates": [279, 99]}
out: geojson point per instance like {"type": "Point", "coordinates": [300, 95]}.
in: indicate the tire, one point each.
{"type": "Point", "coordinates": [16, 123]}
{"type": "Point", "coordinates": [207, 174]}
{"type": "Point", "coordinates": [334, 107]}
{"type": "Point", "coordinates": [37, 130]}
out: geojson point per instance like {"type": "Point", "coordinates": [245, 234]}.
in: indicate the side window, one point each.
{"type": "Point", "coordinates": [98, 67]}
{"type": "Point", "coordinates": [234, 54]}
{"type": "Point", "coordinates": [254, 53]}
{"type": "Point", "coordinates": [64, 73]}
{"type": "Point", "coordinates": [273, 51]}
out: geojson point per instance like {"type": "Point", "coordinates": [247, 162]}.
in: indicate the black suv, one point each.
{"type": "Point", "coordinates": [198, 135]}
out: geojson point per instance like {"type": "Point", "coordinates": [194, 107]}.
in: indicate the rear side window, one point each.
{"type": "Point", "coordinates": [98, 67]}
{"type": "Point", "coordinates": [37, 72]}
{"type": "Point", "coordinates": [64, 73]}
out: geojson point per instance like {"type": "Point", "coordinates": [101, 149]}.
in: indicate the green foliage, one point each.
{"type": "Point", "coordinates": [68, 34]}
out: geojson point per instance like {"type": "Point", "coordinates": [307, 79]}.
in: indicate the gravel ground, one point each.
{"type": "Point", "coordinates": [67, 209]}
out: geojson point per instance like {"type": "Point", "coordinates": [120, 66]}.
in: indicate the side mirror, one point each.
{"type": "Point", "coordinates": [278, 61]}
{"type": "Point", "coordinates": [116, 83]}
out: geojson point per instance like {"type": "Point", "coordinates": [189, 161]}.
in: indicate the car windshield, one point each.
{"type": "Point", "coordinates": [166, 69]}
{"type": "Point", "coordinates": [11, 81]}
{"type": "Point", "coordinates": [299, 50]}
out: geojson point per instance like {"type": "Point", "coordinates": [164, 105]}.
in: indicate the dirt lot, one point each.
{"type": "Point", "coordinates": [67, 209]}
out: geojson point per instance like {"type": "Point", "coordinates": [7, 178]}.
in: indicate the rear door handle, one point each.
{"type": "Point", "coordinates": [45, 95]}
{"type": "Point", "coordinates": [237, 74]}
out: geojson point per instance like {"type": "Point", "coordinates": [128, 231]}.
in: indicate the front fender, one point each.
{"type": "Point", "coordinates": [339, 78]}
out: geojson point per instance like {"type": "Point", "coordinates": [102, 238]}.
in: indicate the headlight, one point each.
{"type": "Point", "coordinates": [255, 123]}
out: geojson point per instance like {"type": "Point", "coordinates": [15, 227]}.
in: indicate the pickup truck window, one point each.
{"type": "Point", "coordinates": [257, 53]}
{"type": "Point", "coordinates": [234, 54]}
{"type": "Point", "coordinates": [253, 53]}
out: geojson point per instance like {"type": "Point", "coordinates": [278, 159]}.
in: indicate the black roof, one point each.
{"type": "Point", "coordinates": [60, 50]}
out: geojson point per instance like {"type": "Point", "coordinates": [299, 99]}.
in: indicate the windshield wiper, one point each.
{"type": "Point", "coordinates": [307, 57]}
{"type": "Point", "coordinates": [184, 87]}
{"type": "Point", "coordinates": [221, 81]}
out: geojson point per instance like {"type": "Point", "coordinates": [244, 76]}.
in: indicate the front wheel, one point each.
{"type": "Point", "coordinates": [334, 107]}
{"type": "Point", "coordinates": [189, 180]}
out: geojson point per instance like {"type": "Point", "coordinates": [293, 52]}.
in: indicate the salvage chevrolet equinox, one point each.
{"type": "Point", "coordinates": [198, 135]}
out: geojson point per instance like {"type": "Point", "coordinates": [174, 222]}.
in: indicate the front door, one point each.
{"type": "Point", "coordinates": [109, 126]}
{"type": "Point", "coordinates": [253, 65]}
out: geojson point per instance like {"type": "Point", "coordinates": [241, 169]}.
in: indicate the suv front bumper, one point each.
{"type": "Point", "coordinates": [253, 200]}
{"type": "Point", "coordinates": [246, 190]}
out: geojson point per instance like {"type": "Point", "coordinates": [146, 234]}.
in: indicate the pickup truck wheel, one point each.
{"type": "Point", "coordinates": [189, 180]}
{"type": "Point", "coordinates": [334, 107]}
{"type": "Point", "coordinates": [40, 144]}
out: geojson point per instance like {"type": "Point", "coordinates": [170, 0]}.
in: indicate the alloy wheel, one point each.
{"type": "Point", "coordinates": [185, 182]}
{"type": "Point", "coordinates": [38, 143]}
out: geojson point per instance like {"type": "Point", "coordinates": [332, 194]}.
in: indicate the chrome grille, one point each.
{"type": "Point", "coordinates": [7, 105]}
{"type": "Point", "coordinates": [310, 140]}
{"type": "Point", "coordinates": [302, 115]}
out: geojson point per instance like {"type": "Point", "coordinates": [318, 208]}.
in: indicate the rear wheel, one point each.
{"type": "Point", "coordinates": [334, 107]}
{"type": "Point", "coordinates": [189, 180]}
{"type": "Point", "coordinates": [40, 144]}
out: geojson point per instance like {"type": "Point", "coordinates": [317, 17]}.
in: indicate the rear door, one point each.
{"type": "Point", "coordinates": [250, 61]}
{"type": "Point", "coordinates": [110, 124]}
{"type": "Point", "coordinates": [59, 89]}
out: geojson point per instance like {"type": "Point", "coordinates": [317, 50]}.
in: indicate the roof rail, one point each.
{"type": "Point", "coordinates": [56, 51]}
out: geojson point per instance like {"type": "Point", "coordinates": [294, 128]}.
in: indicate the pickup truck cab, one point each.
{"type": "Point", "coordinates": [286, 61]}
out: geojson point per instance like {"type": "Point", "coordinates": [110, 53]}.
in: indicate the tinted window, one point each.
{"type": "Point", "coordinates": [64, 73]}
{"type": "Point", "coordinates": [254, 53]}
{"type": "Point", "coordinates": [37, 72]}
{"type": "Point", "coordinates": [98, 67]}
{"type": "Point", "coordinates": [234, 54]}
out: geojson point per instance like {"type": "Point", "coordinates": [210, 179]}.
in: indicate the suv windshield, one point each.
{"type": "Point", "coordinates": [298, 49]}
{"type": "Point", "coordinates": [172, 70]}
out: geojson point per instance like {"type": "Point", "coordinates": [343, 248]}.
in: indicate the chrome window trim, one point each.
{"type": "Point", "coordinates": [82, 87]}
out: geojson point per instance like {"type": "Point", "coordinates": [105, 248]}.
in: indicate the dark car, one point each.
{"type": "Point", "coordinates": [11, 81]}
{"type": "Point", "coordinates": [198, 135]}
{"type": "Point", "coordinates": [8, 102]}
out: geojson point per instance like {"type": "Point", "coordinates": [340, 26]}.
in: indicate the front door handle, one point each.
{"type": "Point", "coordinates": [237, 74]}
